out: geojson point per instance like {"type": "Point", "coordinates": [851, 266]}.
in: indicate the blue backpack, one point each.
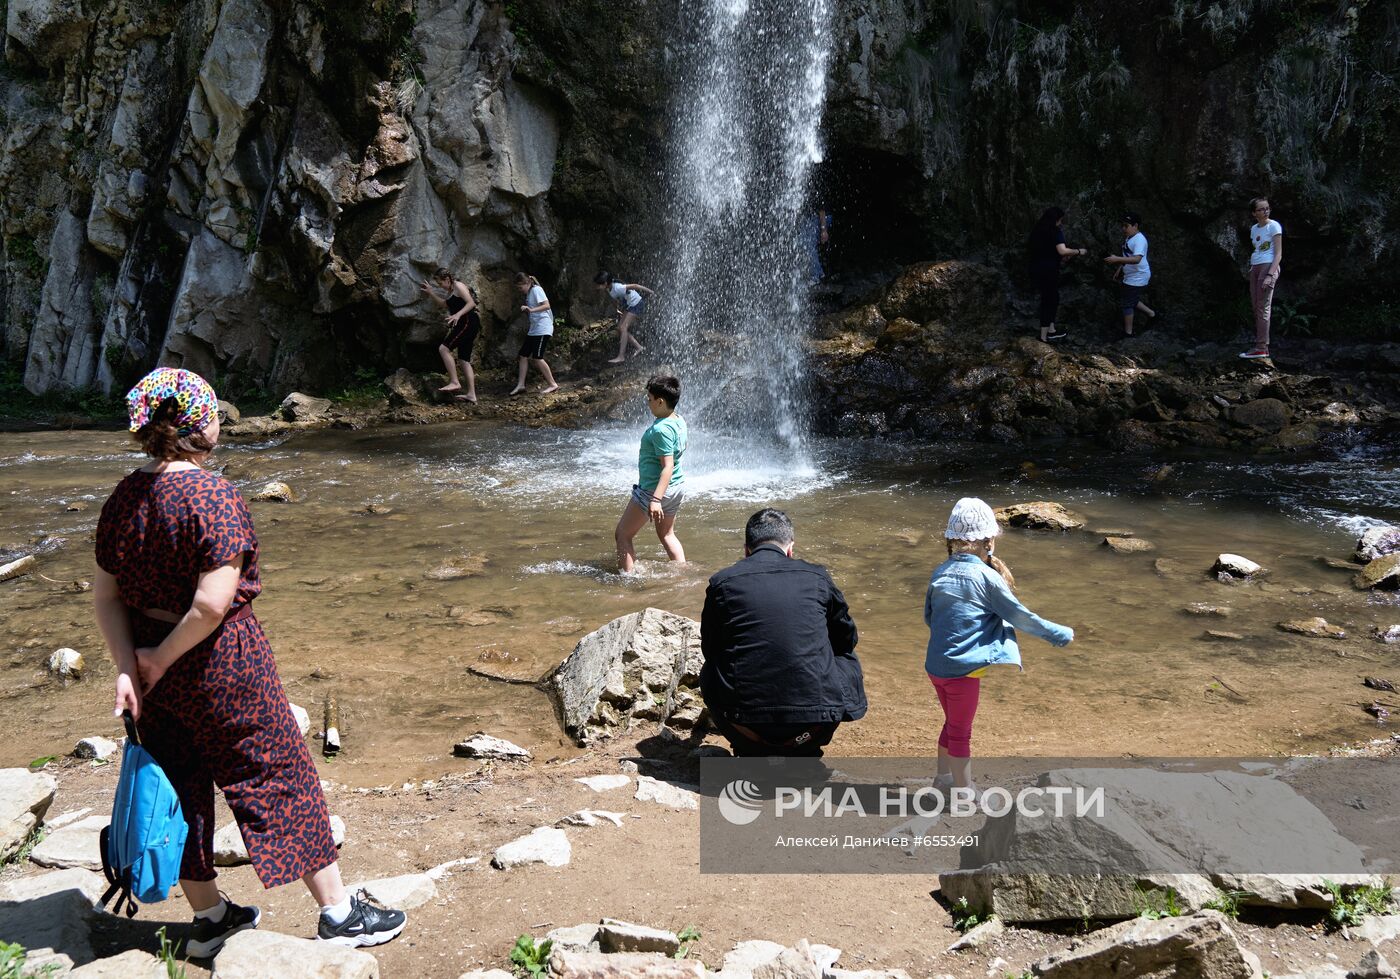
{"type": "Point", "coordinates": [142, 847]}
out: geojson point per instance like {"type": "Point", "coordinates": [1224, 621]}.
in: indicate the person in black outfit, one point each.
{"type": "Point", "coordinates": [463, 327]}
{"type": "Point", "coordinates": [1048, 252]}
{"type": "Point", "coordinates": [780, 669]}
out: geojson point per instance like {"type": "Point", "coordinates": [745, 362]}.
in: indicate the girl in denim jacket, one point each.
{"type": "Point", "coordinates": [972, 616]}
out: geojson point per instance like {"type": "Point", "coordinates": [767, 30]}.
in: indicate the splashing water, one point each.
{"type": "Point", "coordinates": [750, 90]}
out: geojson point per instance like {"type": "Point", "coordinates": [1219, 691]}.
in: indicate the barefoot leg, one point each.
{"type": "Point", "coordinates": [520, 381]}
{"type": "Point", "coordinates": [550, 384]}
{"type": "Point", "coordinates": [470, 375]}
{"type": "Point", "coordinates": [450, 362]}
{"type": "Point", "coordinates": [666, 533]}
{"type": "Point", "coordinates": [633, 519]}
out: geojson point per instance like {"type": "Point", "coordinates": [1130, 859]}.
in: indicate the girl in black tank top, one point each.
{"type": "Point", "coordinates": [463, 326]}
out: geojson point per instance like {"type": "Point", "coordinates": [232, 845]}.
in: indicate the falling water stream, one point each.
{"type": "Point", "coordinates": [750, 87]}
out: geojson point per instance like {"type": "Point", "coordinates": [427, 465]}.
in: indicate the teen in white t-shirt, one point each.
{"type": "Point", "coordinates": [630, 307]}
{"type": "Point", "coordinates": [1134, 271]}
{"type": "Point", "coordinates": [1266, 252]}
{"type": "Point", "coordinates": [537, 338]}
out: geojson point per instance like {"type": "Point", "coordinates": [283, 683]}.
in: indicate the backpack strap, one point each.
{"type": "Point", "coordinates": [130, 724]}
{"type": "Point", "coordinates": [120, 880]}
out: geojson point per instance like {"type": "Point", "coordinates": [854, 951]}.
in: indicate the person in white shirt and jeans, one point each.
{"type": "Point", "coordinates": [1266, 252]}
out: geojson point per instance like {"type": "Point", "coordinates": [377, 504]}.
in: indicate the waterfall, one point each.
{"type": "Point", "coordinates": [749, 87]}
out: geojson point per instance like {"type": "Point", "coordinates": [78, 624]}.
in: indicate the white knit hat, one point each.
{"type": "Point", "coordinates": [972, 519]}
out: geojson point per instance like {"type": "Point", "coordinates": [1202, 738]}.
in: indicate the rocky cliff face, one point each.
{"type": "Point", "coordinates": [974, 116]}
{"type": "Point", "coordinates": [255, 188]}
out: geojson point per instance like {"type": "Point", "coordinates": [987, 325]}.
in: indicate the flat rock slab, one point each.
{"type": "Point", "coordinates": [1317, 627]}
{"type": "Point", "coordinates": [574, 938]}
{"type": "Point", "coordinates": [605, 783]}
{"type": "Point", "coordinates": [623, 965]}
{"type": "Point", "coordinates": [592, 817]}
{"type": "Point", "coordinates": [1203, 608]}
{"type": "Point", "coordinates": [482, 745]}
{"type": "Point", "coordinates": [248, 954]}
{"type": "Point", "coordinates": [78, 845]}
{"type": "Point", "coordinates": [1199, 945]}
{"type": "Point", "coordinates": [979, 936]}
{"type": "Point", "coordinates": [1223, 636]}
{"type": "Point", "coordinates": [666, 794]}
{"type": "Point", "coordinates": [131, 964]}
{"type": "Point", "coordinates": [624, 936]}
{"type": "Point", "coordinates": [1376, 929]}
{"type": "Point", "coordinates": [25, 797]}
{"type": "Point", "coordinates": [1128, 545]}
{"type": "Point", "coordinates": [61, 921]}
{"type": "Point", "coordinates": [1039, 516]}
{"type": "Point", "coordinates": [545, 845]}
{"type": "Point", "coordinates": [404, 892]}
{"type": "Point", "coordinates": [85, 882]}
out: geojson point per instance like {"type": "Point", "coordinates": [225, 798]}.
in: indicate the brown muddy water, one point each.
{"type": "Point", "coordinates": [353, 606]}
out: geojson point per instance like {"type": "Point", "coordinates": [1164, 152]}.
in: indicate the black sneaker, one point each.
{"type": "Point", "coordinates": [366, 924]}
{"type": "Point", "coordinates": [207, 937]}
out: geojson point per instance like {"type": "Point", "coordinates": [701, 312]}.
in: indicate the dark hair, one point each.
{"type": "Point", "coordinates": [442, 273]}
{"type": "Point", "coordinates": [1042, 237]}
{"type": "Point", "coordinates": [767, 526]}
{"type": "Point", "coordinates": [160, 437]}
{"type": "Point", "coordinates": [1049, 219]}
{"type": "Point", "coordinates": [666, 387]}
{"type": "Point", "coordinates": [1255, 202]}
{"type": "Point", "coordinates": [604, 278]}
{"type": "Point", "coordinates": [1132, 217]}
{"type": "Point", "coordinates": [526, 277]}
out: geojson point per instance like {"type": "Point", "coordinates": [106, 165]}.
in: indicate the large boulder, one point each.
{"type": "Point", "coordinates": [297, 407]}
{"type": "Point", "coordinates": [249, 955]}
{"type": "Point", "coordinates": [61, 920]}
{"type": "Point", "coordinates": [131, 964]}
{"type": "Point", "coordinates": [1267, 415]}
{"type": "Point", "coordinates": [1200, 946]}
{"type": "Point", "coordinates": [407, 388]}
{"type": "Point", "coordinates": [89, 884]}
{"type": "Point", "coordinates": [24, 798]}
{"type": "Point", "coordinates": [1377, 543]}
{"type": "Point", "coordinates": [641, 667]}
{"type": "Point", "coordinates": [1184, 832]}
{"type": "Point", "coordinates": [1039, 516]}
{"type": "Point", "coordinates": [960, 294]}
{"type": "Point", "coordinates": [546, 845]}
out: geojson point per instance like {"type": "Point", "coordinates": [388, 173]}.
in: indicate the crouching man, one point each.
{"type": "Point", "coordinates": [780, 668]}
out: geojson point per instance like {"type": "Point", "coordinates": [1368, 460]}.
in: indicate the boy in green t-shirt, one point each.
{"type": "Point", "coordinates": [659, 491]}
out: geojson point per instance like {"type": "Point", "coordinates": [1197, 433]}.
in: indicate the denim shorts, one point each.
{"type": "Point", "coordinates": [670, 503]}
{"type": "Point", "coordinates": [638, 309]}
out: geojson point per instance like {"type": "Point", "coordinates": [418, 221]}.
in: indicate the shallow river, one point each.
{"type": "Point", "coordinates": [352, 606]}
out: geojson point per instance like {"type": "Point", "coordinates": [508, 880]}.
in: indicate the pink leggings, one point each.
{"type": "Point", "coordinates": [958, 698]}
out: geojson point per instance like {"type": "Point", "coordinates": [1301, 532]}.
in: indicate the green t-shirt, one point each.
{"type": "Point", "coordinates": [663, 437]}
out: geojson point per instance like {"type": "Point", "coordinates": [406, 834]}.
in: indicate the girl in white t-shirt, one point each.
{"type": "Point", "coordinates": [630, 307]}
{"type": "Point", "coordinates": [536, 306]}
{"type": "Point", "coordinates": [1266, 252]}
